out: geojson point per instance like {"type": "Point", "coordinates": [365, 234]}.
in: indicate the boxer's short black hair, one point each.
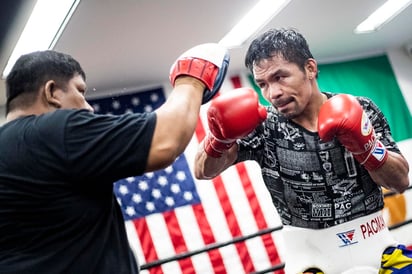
{"type": "Point", "coordinates": [285, 42]}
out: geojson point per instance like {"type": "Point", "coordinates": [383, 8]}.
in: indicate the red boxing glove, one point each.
{"type": "Point", "coordinates": [344, 118]}
{"type": "Point", "coordinates": [231, 116]}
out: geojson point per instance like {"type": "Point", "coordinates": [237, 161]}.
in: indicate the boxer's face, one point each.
{"type": "Point", "coordinates": [73, 95]}
{"type": "Point", "coordinates": [284, 85]}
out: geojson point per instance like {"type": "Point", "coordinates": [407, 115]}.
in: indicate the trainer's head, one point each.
{"type": "Point", "coordinates": [34, 71]}
{"type": "Point", "coordinates": [286, 43]}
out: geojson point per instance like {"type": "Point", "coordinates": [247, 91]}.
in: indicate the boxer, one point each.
{"type": "Point", "coordinates": [324, 158]}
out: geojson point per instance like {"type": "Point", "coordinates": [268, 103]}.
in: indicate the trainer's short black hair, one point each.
{"type": "Point", "coordinates": [34, 69]}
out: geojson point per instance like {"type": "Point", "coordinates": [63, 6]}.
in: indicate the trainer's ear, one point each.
{"type": "Point", "coordinates": [50, 95]}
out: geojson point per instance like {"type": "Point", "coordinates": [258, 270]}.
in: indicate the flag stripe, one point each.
{"type": "Point", "coordinates": [207, 236]}
{"type": "Point", "coordinates": [236, 82]}
{"type": "Point", "coordinates": [258, 213]}
{"type": "Point", "coordinates": [146, 243]}
{"type": "Point", "coordinates": [233, 224]}
{"type": "Point", "coordinates": [193, 222]}
{"type": "Point", "coordinates": [220, 229]}
{"type": "Point", "coordinates": [244, 215]}
{"type": "Point", "coordinates": [161, 238]}
{"type": "Point", "coordinates": [178, 241]}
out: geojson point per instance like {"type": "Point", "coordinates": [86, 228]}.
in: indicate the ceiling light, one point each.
{"type": "Point", "coordinates": [382, 15]}
{"type": "Point", "coordinates": [44, 27]}
{"type": "Point", "coordinates": [254, 20]}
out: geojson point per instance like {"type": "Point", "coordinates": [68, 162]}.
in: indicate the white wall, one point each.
{"type": "Point", "coordinates": [2, 114]}
{"type": "Point", "coordinates": [402, 67]}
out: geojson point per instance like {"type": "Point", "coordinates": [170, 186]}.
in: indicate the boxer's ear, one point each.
{"type": "Point", "coordinates": [311, 68]}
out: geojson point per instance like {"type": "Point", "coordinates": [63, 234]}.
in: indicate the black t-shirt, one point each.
{"type": "Point", "coordinates": [58, 213]}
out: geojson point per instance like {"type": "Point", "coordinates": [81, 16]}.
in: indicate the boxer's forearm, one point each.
{"type": "Point", "coordinates": [207, 167]}
{"type": "Point", "coordinates": [393, 174]}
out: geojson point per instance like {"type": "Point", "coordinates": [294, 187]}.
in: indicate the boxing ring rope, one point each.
{"type": "Point", "coordinates": [210, 247]}
{"type": "Point", "coordinates": [244, 238]}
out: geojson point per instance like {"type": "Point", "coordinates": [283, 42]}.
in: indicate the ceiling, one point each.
{"type": "Point", "coordinates": [132, 43]}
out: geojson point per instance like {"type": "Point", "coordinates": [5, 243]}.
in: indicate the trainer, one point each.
{"type": "Point", "coordinates": [59, 160]}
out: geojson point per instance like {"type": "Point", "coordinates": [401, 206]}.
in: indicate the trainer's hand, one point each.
{"type": "Point", "coordinates": [344, 118]}
{"type": "Point", "coordinates": [207, 63]}
{"type": "Point", "coordinates": [232, 115]}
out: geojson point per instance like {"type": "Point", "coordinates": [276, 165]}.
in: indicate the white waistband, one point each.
{"type": "Point", "coordinates": [359, 242]}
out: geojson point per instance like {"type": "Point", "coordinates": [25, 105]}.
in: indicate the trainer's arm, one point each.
{"type": "Point", "coordinates": [196, 77]}
{"type": "Point", "coordinates": [176, 122]}
{"type": "Point", "coordinates": [207, 167]}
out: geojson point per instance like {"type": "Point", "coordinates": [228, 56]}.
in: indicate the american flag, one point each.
{"type": "Point", "coordinates": [168, 212]}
